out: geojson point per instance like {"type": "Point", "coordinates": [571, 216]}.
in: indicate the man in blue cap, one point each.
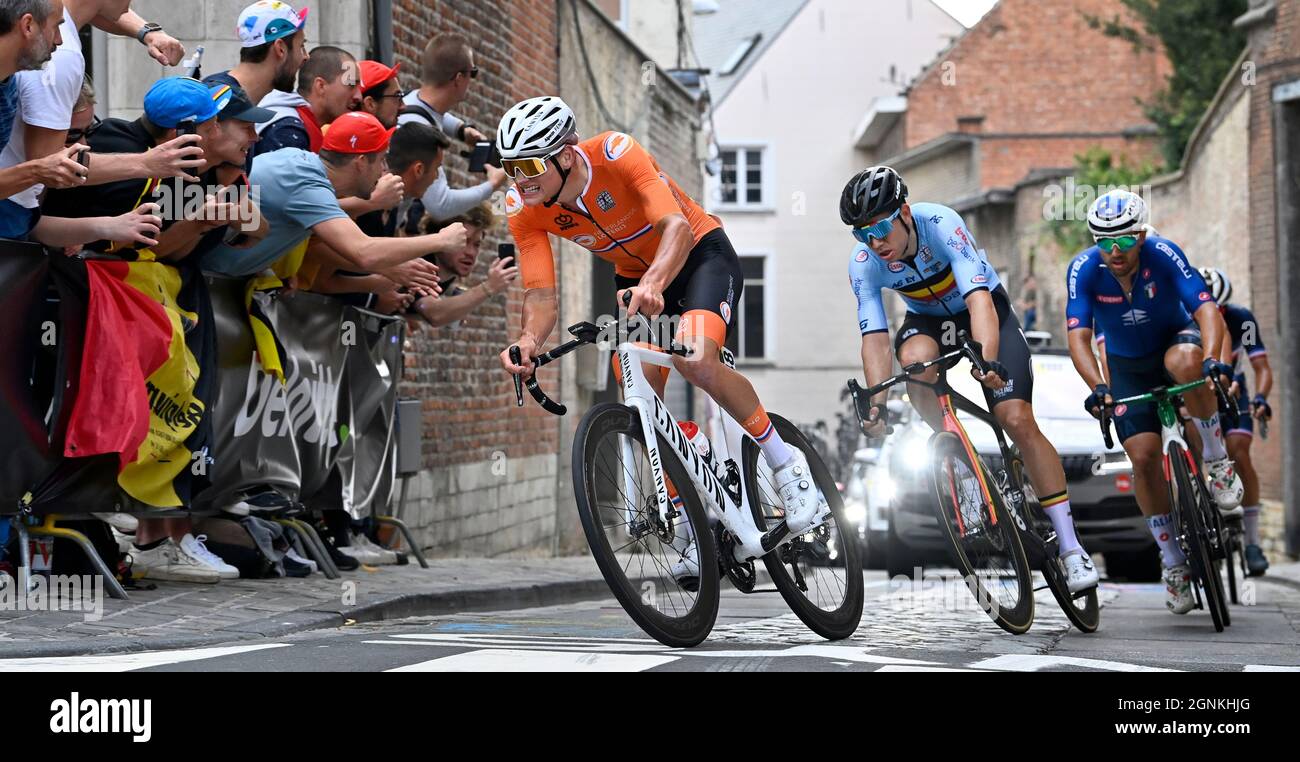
{"type": "Point", "coordinates": [171, 105]}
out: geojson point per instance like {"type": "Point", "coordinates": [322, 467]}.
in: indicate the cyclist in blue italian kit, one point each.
{"type": "Point", "coordinates": [926, 253]}
{"type": "Point", "coordinates": [1244, 337]}
{"type": "Point", "coordinates": [1161, 325]}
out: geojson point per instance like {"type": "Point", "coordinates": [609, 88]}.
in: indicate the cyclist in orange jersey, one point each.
{"type": "Point", "coordinates": [608, 195]}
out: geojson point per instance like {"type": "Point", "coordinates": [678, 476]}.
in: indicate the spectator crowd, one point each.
{"type": "Point", "coordinates": [295, 168]}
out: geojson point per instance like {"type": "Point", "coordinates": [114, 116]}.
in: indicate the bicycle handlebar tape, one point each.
{"type": "Point", "coordinates": [516, 357]}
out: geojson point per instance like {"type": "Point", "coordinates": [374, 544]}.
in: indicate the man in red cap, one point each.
{"type": "Point", "coordinates": [299, 193]}
{"type": "Point", "coordinates": [381, 93]}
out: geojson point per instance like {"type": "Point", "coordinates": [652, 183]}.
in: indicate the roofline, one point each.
{"type": "Point", "coordinates": [748, 67]}
{"type": "Point", "coordinates": [954, 18]}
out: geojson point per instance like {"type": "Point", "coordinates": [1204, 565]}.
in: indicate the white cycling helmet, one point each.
{"type": "Point", "coordinates": [1116, 213]}
{"type": "Point", "coordinates": [536, 128]}
{"type": "Point", "coordinates": [1220, 286]}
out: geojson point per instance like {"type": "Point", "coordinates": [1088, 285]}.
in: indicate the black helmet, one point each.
{"type": "Point", "coordinates": [871, 192]}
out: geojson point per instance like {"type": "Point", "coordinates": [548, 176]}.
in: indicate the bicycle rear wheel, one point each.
{"type": "Point", "coordinates": [614, 486]}
{"type": "Point", "coordinates": [984, 539]}
{"type": "Point", "coordinates": [818, 573]}
{"type": "Point", "coordinates": [1186, 499]}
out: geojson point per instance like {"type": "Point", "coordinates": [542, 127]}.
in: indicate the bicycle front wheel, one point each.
{"type": "Point", "coordinates": [819, 573]}
{"type": "Point", "coordinates": [1083, 610]}
{"type": "Point", "coordinates": [1187, 498]}
{"type": "Point", "coordinates": [984, 539]}
{"type": "Point", "coordinates": [664, 573]}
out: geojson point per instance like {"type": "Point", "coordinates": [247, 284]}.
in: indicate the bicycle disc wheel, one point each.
{"type": "Point", "coordinates": [818, 573]}
{"type": "Point", "coordinates": [1186, 502]}
{"type": "Point", "coordinates": [614, 486]}
{"type": "Point", "coordinates": [984, 539]}
{"type": "Point", "coordinates": [1083, 610]}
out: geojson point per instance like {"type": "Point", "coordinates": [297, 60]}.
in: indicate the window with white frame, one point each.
{"type": "Point", "coordinates": [748, 339]}
{"type": "Point", "coordinates": [743, 177]}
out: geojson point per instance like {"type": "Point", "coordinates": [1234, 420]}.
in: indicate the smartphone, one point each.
{"type": "Point", "coordinates": [83, 158]}
{"type": "Point", "coordinates": [187, 127]}
{"type": "Point", "coordinates": [480, 157]}
{"type": "Point", "coordinates": [505, 251]}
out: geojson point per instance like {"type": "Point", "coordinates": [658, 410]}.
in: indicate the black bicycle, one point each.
{"type": "Point", "coordinates": [983, 509]}
{"type": "Point", "coordinates": [1197, 521]}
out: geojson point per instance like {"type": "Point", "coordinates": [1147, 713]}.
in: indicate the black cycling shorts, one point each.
{"type": "Point", "coordinates": [1013, 349]}
{"type": "Point", "coordinates": [1131, 376]}
{"type": "Point", "coordinates": [707, 289]}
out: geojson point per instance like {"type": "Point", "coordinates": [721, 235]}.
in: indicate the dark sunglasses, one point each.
{"type": "Point", "coordinates": [75, 136]}
{"type": "Point", "coordinates": [473, 73]}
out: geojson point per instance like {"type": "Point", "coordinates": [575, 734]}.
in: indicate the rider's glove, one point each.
{"type": "Point", "coordinates": [1260, 402]}
{"type": "Point", "coordinates": [1212, 368]}
{"type": "Point", "coordinates": [1096, 400]}
{"type": "Point", "coordinates": [997, 368]}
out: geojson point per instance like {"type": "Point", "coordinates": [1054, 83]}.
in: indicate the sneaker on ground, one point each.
{"type": "Point", "coordinates": [1178, 589]}
{"type": "Point", "coordinates": [383, 556]}
{"type": "Point", "coordinates": [1226, 486]}
{"type": "Point", "coordinates": [264, 502]}
{"type": "Point", "coordinates": [1256, 563]}
{"type": "Point", "coordinates": [342, 561]}
{"type": "Point", "coordinates": [293, 556]}
{"type": "Point", "coordinates": [362, 555]}
{"type": "Point", "coordinates": [195, 548]}
{"type": "Point", "coordinates": [167, 561]}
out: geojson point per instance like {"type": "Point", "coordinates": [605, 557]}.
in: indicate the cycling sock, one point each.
{"type": "Point", "coordinates": [149, 545]}
{"type": "Point", "coordinates": [1251, 521]}
{"type": "Point", "coordinates": [1057, 508]}
{"type": "Point", "coordinates": [1211, 438]}
{"type": "Point", "coordinates": [1162, 529]}
{"type": "Point", "coordinates": [775, 451]}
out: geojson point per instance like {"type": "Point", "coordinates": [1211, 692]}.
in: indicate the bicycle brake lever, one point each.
{"type": "Point", "coordinates": [516, 357]}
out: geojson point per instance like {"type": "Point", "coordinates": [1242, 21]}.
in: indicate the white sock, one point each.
{"type": "Point", "coordinates": [775, 451]}
{"type": "Point", "coordinates": [1251, 521]}
{"type": "Point", "coordinates": [1162, 528]}
{"type": "Point", "coordinates": [1063, 523]}
{"type": "Point", "coordinates": [1211, 438]}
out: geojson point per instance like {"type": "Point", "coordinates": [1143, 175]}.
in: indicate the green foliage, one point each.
{"type": "Point", "coordinates": [1202, 45]}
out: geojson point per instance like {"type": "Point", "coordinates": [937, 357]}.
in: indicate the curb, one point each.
{"type": "Point", "coordinates": [380, 608]}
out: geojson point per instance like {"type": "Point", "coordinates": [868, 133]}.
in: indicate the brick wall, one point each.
{"type": "Point", "coordinates": [1025, 78]}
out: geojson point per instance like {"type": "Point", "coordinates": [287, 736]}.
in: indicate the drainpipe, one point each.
{"type": "Point", "coordinates": [383, 31]}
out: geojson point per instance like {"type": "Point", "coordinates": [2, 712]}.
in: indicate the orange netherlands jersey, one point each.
{"type": "Point", "coordinates": [626, 193]}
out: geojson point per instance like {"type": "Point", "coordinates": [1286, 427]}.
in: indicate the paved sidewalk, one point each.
{"type": "Point", "coordinates": [178, 615]}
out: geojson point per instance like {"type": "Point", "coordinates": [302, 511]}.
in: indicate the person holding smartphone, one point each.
{"type": "Point", "coordinates": [459, 300]}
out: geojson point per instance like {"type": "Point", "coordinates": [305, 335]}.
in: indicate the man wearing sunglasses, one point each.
{"type": "Point", "coordinates": [1161, 324]}
{"type": "Point", "coordinates": [926, 254]}
{"type": "Point", "coordinates": [608, 195]}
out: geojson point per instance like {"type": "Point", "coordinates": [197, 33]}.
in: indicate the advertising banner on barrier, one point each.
{"type": "Point", "coordinates": [368, 464]}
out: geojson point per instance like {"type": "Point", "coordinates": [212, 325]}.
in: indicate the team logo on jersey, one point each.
{"type": "Point", "coordinates": [1121, 409]}
{"type": "Point", "coordinates": [962, 233]}
{"type": "Point", "coordinates": [1110, 299]}
{"type": "Point", "coordinates": [925, 253]}
{"type": "Point", "coordinates": [1136, 317]}
{"type": "Point", "coordinates": [979, 279]}
{"type": "Point", "coordinates": [1146, 273]}
{"type": "Point", "coordinates": [1073, 322]}
{"type": "Point", "coordinates": [514, 202]}
{"type": "Point", "coordinates": [896, 267]}
{"type": "Point", "coordinates": [1151, 290]}
{"type": "Point", "coordinates": [565, 221]}
{"type": "Point", "coordinates": [585, 241]}
{"type": "Point", "coordinates": [616, 145]}
{"type": "Point", "coordinates": [725, 309]}
{"type": "Point", "coordinates": [605, 201]}
{"type": "Point", "coordinates": [861, 257]}
{"type": "Point", "coordinates": [1204, 296]}
{"type": "Point", "coordinates": [936, 219]}
{"type": "Point", "coordinates": [955, 245]}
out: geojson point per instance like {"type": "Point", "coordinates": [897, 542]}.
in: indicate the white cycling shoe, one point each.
{"type": "Point", "coordinates": [686, 569]}
{"type": "Point", "coordinates": [1226, 485]}
{"type": "Point", "coordinates": [1080, 573]}
{"type": "Point", "coordinates": [805, 507]}
{"type": "Point", "coordinates": [1178, 589]}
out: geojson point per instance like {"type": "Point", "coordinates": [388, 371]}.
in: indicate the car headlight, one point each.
{"type": "Point", "coordinates": [888, 489]}
{"type": "Point", "coordinates": [855, 512]}
{"type": "Point", "coordinates": [916, 453]}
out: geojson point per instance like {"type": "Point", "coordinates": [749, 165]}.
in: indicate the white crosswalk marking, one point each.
{"type": "Point", "coordinates": [513, 660]}
{"type": "Point", "coordinates": [1268, 668]}
{"type": "Point", "coordinates": [1035, 662]}
{"type": "Point", "coordinates": [126, 662]}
